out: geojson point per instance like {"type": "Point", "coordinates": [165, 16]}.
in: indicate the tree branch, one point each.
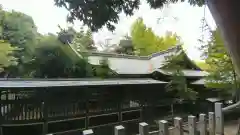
{"type": "Point", "coordinates": [231, 107]}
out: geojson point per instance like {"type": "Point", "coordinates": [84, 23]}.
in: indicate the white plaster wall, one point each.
{"type": "Point", "coordinates": [132, 66]}
{"type": "Point", "coordinates": [124, 65]}
{"type": "Point", "coordinates": [159, 61]}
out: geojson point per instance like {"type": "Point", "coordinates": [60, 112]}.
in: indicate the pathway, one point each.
{"type": "Point", "coordinates": [231, 128]}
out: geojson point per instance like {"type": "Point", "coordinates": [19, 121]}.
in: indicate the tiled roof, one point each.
{"type": "Point", "coordinates": [104, 54]}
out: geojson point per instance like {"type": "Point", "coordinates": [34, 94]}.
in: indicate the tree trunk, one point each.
{"type": "Point", "coordinates": [227, 18]}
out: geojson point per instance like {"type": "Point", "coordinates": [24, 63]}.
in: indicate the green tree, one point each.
{"type": "Point", "coordinates": [221, 74]}
{"type": "Point", "coordinates": [53, 59]}
{"type": "Point", "coordinates": [6, 55]}
{"type": "Point", "coordinates": [96, 14]}
{"type": "Point", "coordinates": [43, 56]}
{"type": "Point", "coordinates": [125, 46]}
{"type": "Point", "coordinates": [19, 29]}
{"type": "Point", "coordinates": [179, 60]}
{"type": "Point", "coordinates": [83, 41]}
{"type": "Point", "coordinates": [143, 38]}
{"type": "Point", "coordinates": [168, 40]}
{"type": "Point", "coordinates": [146, 42]}
{"type": "Point", "coordinates": [103, 69]}
{"type": "Point", "coordinates": [66, 37]}
{"type": "Point", "coordinates": [202, 65]}
{"type": "Point", "coordinates": [56, 64]}
{"type": "Point", "coordinates": [178, 84]}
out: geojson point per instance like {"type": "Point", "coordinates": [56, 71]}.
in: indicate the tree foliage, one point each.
{"type": "Point", "coordinates": [6, 55]}
{"type": "Point", "coordinates": [145, 42]}
{"type": "Point", "coordinates": [66, 36]}
{"type": "Point", "coordinates": [221, 74]}
{"type": "Point", "coordinates": [53, 62]}
{"type": "Point", "coordinates": [103, 70]}
{"type": "Point", "coordinates": [96, 14]}
{"type": "Point", "coordinates": [179, 60]}
{"type": "Point", "coordinates": [42, 56]}
{"type": "Point", "coordinates": [83, 41]}
{"type": "Point", "coordinates": [20, 31]}
{"type": "Point", "coordinates": [125, 46]}
{"type": "Point", "coordinates": [176, 63]}
{"type": "Point", "coordinates": [202, 65]}
{"type": "Point", "coordinates": [53, 59]}
{"type": "Point", "coordinates": [179, 85]}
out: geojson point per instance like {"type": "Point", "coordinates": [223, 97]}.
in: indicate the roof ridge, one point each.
{"type": "Point", "coordinates": [148, 57]}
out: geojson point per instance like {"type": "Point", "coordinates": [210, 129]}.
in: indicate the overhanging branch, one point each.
{"type": "Point", "coordinates": [231, 107]}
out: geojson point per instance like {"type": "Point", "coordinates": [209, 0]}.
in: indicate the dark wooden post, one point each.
{"type": "Point", "coordinates": [45, 114]}
{"type": "Point", "coordinates": [119, 112]}
{"type": "Point", "coordinates": [119, 103]}
{"type": "Point", "coordinates": [1, 114]}
{"type": "Point", "coordinates": [87, 108]}
{"type": "Point", "coordinates": [141, 111]}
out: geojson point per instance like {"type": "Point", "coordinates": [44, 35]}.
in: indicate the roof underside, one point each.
{"type": "Point", "coordinates": [78, 82]}
{"type": "Point", "coordinates": [21, 83]}
{"type": "Point", "coordinates": [186, 72]}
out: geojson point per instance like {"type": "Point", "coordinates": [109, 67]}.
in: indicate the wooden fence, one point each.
{"type": "Point", "coordinates": [212, 125]}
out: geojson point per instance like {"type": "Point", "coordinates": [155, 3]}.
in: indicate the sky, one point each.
{"type": "Point", "coordinates": [181, 18]}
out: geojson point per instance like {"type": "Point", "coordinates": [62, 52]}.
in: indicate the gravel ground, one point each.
{"type": "Point", "coordinates": [231, 128]}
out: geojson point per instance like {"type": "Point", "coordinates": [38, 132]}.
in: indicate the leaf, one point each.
{"type": "Point", "coordinates": [98, 13]}
{"type": "Point", "coordinates": [6, 55]}
{"type": "Point", "coordinates": [221, 71]}
{"type": "Point", "coordinates": [146, 42]}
